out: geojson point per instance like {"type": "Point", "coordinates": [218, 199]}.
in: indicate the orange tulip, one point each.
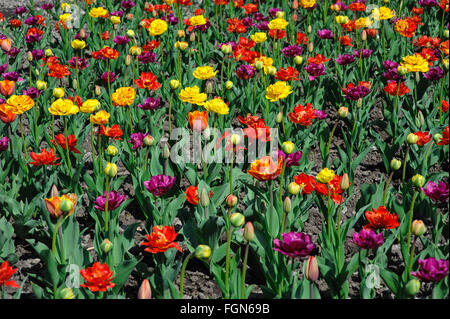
{"type": "Point", "coordinates": [7, 87]}
{"type": "Point", "coordinates": [6, 44]}
{"type": "Point", "coordinates": [265, 169]}
{"type": "Point", "coordinates": [52, 204]}
{"type": "Point", "coordinates": [198, 121]}
{"type": "Point", "coordinates": [6, 116]}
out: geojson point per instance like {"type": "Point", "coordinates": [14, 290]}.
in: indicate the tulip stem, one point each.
{"type": "Point", "coordinates": [404, 164]}
{"type": "Point", "coordinates": [329, 142]}
{"type": "Point", "coordinates": [328, 214]}
{"type": "Point", "coordinates": [411, 256]}
{"type": "Point", "coordinates": [411, 213]}
{"type": "Point", "coordinates": [130, 120]}
{"type": "Point", "coordinates": [170, 113]}
{"type": "Point", "coordinates": [386, 187]}
{"type": "Point", "coordinates": [106, 205]}
{"type": "Point", "coordinates": [53, 127]}
{"type": "Point", "coordinates": [58, 224]}
{"type": "Point", "coordinates": [282, 119]}
{"type": "Point", "coordinates": [23, 141]}
{"type": "Point", "coordinates": [183, 270]}
{"type": "Point", "coordinates": [69, 165]}
{"type": "Point", "coordinates": [283, 221]}
{"type": "Point", "coordinates": [227, 260]}
{"type": "Point", "coordinates": [311, 290]}
{"type": "Point", "coordinates": [244, 270]}
{"type": "Point", "coordinates": [92, 144]}
{"type": "Point", "coordinates": [231, 170]}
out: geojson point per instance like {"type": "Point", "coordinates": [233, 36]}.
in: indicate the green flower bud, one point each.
{"type": "Point", "coordinates": [166, 151]}
{"type": "Point", "coordinates": [237, 219]}
{"type": "Point", "coordinates": [413, 287]}
{"type": "Point", "coordinates": [67, 293]}
{"type": "Point", "coordinates": [418, 228]}
{"type": "Point", "coordinates": [202, 251]}
{"type": "Point", "coordinates": [412, 138]}
{"type": "Point", "coordinates": [437, 137]}
{"type": "Point", "coordinates": [279, 118]}
{"type": "Point", "coordinates": [66, 206]}
{"type": "Point", "coordinates": [259, 65]}
{"type": "Point", "coordinates": [235, 139]}
{"type": "Point", "coordinates": [294, 188]}
{"type": "Point", "coordinates": [298, 60]}
{"type": "Point", "coordinates": [418, 180]}
{"type": "Point", "coordinates": [395, 164]}
{"type": "Point", "coordinates": [288, 147]}
{"type": "Point", "coordinates": [287, 205]}
{"type": "Point", "coordinates": [229, 85]}
{"type": "Point", "coordinates": [249, 231]}
{"type": "Point", "coordinates": [110, 170]}
{"type": "Point", "coordinates": [112, 150]}
{"type": "Point", "coordinates": [231, 200]}
{"type": "Point", "coordinates": [149, 140]}
{"type": "Point", "coordinates": [345, 182]}
{"type": "Point", "coordinates": [420, 120]}
{"type": "Point", "coordinates": [204, 198]}
{"type": "Point", "coordinates": [106, 245]}
{"type": "Point", "coordinates": [343, 112]}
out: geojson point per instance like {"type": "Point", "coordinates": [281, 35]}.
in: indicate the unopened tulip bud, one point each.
{"type": "Point", "coordinates": [67, 293]}
{"type": "Point", "coordinates": [128, 60]}
{"type": "Point", "coordinates": [298, 60]}
{"type": "Point", "coordinates": [294, 17]}
{"type": "Point", "coordinates": [402, 70]}
{"type": "Point", "coordinates": [312, 269]}
{"type": "Point", "coordinates": [249, 231]}
{"type": "Point", "coordinates": [74, 84]}
{"type": "Point", "coordinates": [229, 85]}
{"type": "Point", "coordinates": [231, 200]}
{"type": "Point", "coordinates": [412, 138]}
{"type": "Point", "coordinates": [131, 33]}
{"type": "Point", "coordinates": [209, 88]}
{"type": "Point", "coordinates": [309, 29]}
{"type": "Point", "coordinates": [204, 198]}
{"type": "Point", "coordinates": [295, 4]}
{"type": "Point", "coordinates": [345, 182]}
{"type": "Point", "coordinates": [237, 219]}
{"type": "Point", "coordinates": [129, 16]}
{"type": "Point", "coordinates": [386, 1]}
{"type": "Point", "coordinates": [112, 150]}
{"type": "Point", "coordinates": [166, 151]}
{"type": "Point", "coordinates": [279, 118]}
{"type": "Point", "coordinates": [145, 291]}
{"type": "Point", "coordinates": [149, 140]}
{"type": "Point", "coordinates": [174, 84]}
{"type": "Point", "coordinates": [310, 47]}
{"type": "Point", "coordinates": [110, 170]}
{"type": "Point", "coordinates": [417, 77]}
{"type": "Point", "coordinates": [271, 70]}
{"type": "Point", "coordinates": [66, 205]}
{"type": "Point", "coordinates": [58, 93]}
{"type": "Point", "coordinates": [41, 85]}
{"type": "Point", "coordinates": [343, 112]}
{"type": "Point", "coordinates": [288, 147]}
{"type": "Point", "coordinates": [294, 188]}
{"type": "Point", "coordinates": [30, 56]}
{"type": "Point", "coordinates": [420, 120]}
{"type": "Point", "coordinates": [235, 139]}
{"type": "Point", "coordinates": [226, 49]}
{"type": "Point", "coordinates": [97, 90]}
{"type": "Point", "coordinates": [446, 34]}
{"type": "Point", "coordinates": [192, 37]}
{"type": "Point", "coordinates": [106, 245]}
{"type": "Point", "coordinates": [287, 205]}
{"type": "Point", "coordinates": [437, 137]}
{"type": "Point", "coordinates": [48, 53]}
{"type": "Point", "coordinates": [418, 180]}
{"type": "Point", "coordinates": [395, 164]}
{"type": "Point", "coordinates": [202, 251]}
{"type": "Point", "coordinates": [82, 34]}
{"type": "Point", "coordinates": [359, 103]}
{"type": "Point", "coordinates": [259, 65]}
{"type": "Point", "coordinates": [418, 227]}
{"type": "Point", "coordinates": [413, 287]}
{"type": "Point", "coordinates": [364, 35]}
{"type": "Point", "coordinates": [279, 14]}
{"type": "Point", "coordinates": [445, 64]}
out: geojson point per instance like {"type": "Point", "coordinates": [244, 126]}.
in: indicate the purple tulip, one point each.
{"type": "Point", "coordinates": [292, 50]}
{"type": "Point", "coordinates": [13, 52]}
{"type": "Point", "coordinates": [342, 6]}
{"type": "Point", "coordinates": [390, 72]}
{"type": "Point", "coordinates": [320, 114]}
{"type": "Point", "coordinates": [171, 19]}
{"type": "Point", "coordinates": [245, 72]}
{"type": "Point", "coordinates": [263, 26]}
{"type": "Point", "coordinates": [147, 57]}
{"type": "Point", "coordinates": [20, 10]}
{"type": "Point", "coordinates": [325, 34]}
{"type": "Point", "coordinates": [431, 270]}
{"type": "Point", "coordinates": [112, 77]}
{"type": "Point", "coordinates": [150, 103]}
{"type": "Point", "coordinates": [121, 40]}
{"type": "Point", "coordinates": [11, 76]}
{"type": "Point", "coordinates": [315, 70]}
{"type": "Point", "coordinates": [3, 68]}
{"type": "Point", "coordinates": [345, 59]}
{"type": "Point", "coordinates": [47, 6]}
{"type": "Point", "coordinates": [248, 22]}
{"type": "Point", "coordinates": [127, 4]}
{"type": "Point", "coordinates": [364, 53]}
{"type": "Point", "coordinates": [292, 159]}
{"type": "Point", "coordinates": [273, 11]}
{"type": "Point", "coordinates": [137, 139]}
{"type": "Point", "coordinates": [368, 239]}
{"type": "Point", "coordinates": [114, 201]}
{"type": "Point", "coordinates": [77, 62]}
{"type": "Point", "coordinates": [31, 92]}
{"type": "Point", "coordinates": [434, 74]}
{"type": "Point", "coordinates": [294, 244]}
{"type": "Point", "coordinates": [357, 92]}
{"type": "Point", "coordinates": [37, 54]}
{"type": "Point", "coordinates": [258, 16]}
{"type": "Point", "coordinates": [31, 21]}
{"type": "Point", "coordinates": [160, 184]}
{"type": "Point", "coordinates": [428, 3]}
{"type": "Point", "coordinates": [203, 27]}
{"type": "Point", "coordinates": [4, 143]}
{"type": "Point", "coordinates": [118, 13]}
{"type": "Point", "coordinates": [436, 192]}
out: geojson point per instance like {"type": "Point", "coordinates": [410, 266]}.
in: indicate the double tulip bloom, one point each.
{"type": "Point", "coordinates": [19, 104]}
{"type": "Point", "coordinates": [124, 96]}
{"type": "Point", "coordinates": [63, 107]}
{"type": "Point", "coordinates": [294, 244]}
{"type": "Point", "coordinates": [265, 169]}
{"type": "Point", "coordinates": [161, 239]}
